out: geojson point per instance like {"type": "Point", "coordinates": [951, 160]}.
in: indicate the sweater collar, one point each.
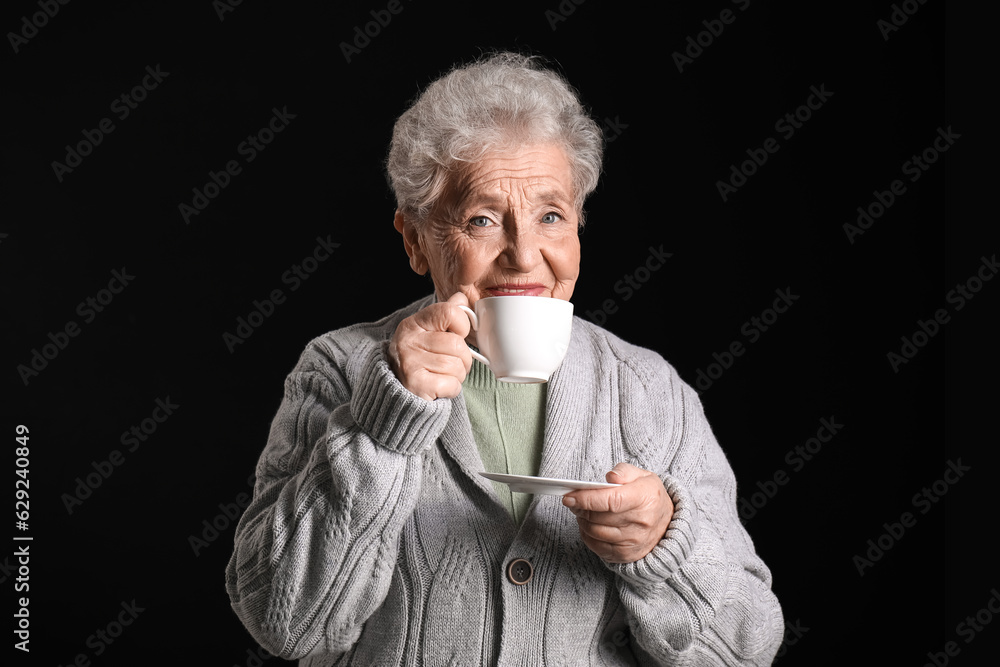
{"type": "Point", "coordinates": [567, 405]}
{"type": "Point", "coordinates": [480, 376]}
{"type": "Point", "coordinates": [566, 413]}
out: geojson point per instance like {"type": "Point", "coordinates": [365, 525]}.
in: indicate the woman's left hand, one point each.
{"type": "Point", "coordinates": [623, 524]}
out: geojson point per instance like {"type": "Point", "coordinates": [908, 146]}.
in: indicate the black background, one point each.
{"type": "Point", "coordinates": [672, 136]}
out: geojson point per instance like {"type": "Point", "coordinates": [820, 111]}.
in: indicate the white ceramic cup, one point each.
{"type": "Point", "coordinates": [521, 338]}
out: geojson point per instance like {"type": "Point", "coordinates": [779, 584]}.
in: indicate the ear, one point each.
{"type": "Point", "coordinates": [411, 242]}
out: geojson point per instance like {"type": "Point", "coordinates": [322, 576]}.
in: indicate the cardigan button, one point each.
{"type": "Point", "coordinates": [519, 571]}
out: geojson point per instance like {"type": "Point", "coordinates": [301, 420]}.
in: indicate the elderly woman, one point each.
{"type": "Point", "coordinates": [372, 539]}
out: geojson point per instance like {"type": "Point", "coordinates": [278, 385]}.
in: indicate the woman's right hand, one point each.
{"type": "Point", "coordinates": [428, 352]}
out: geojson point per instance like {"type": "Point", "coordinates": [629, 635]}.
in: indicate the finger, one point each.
{"type": "Point", "coordinates": [440, 343]}
{"type": "Point", "coordinates": [616, 500]}
{"type": "Point", "coordinates": [430, 386]}
{"type": "Point", "coordinates": [611, 519]}
{"type": "Point", "coordinates": [602, 499]}
{"type": "Point", "coordinates": [436, 352]}
{"type": "Point", "coordinates": [461, 321]}
{"type": "Point", "coordinates": [623, 473]}
{"type": "Point", "coordinates": [613, 553]}
{"type": "Point", "coordinates": [608, 534]}
{"type": "Point", "coordinates": [650, 503]}
{"type": "Point", "coordinates": [444, 316]}
{"type": "Point", "coordinates": [446, 349]}
{"type": "Point", "coordinates": [435, 364]}
{"type": "Point", "coordinates": [458, 299]}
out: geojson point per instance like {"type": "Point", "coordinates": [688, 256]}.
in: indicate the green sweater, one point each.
{"type": "Point", "coordinates": [508, 422]}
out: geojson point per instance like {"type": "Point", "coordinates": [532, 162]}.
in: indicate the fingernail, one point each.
{"type": "Point", "coordinates": [569, 502]}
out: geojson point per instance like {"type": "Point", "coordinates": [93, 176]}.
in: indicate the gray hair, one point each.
{"type": "Point", "coordinates": [501, 102]}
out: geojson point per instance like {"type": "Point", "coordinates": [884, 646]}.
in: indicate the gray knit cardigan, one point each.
{"type": "Point", "coordinates": [372, 540]}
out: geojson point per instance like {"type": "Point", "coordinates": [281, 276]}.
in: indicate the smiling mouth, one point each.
{"type": "Point", "coordinates": [515, 290]}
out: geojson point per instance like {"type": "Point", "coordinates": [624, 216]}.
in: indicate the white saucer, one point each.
{"type": "Point", "coordinates": [545, 486]}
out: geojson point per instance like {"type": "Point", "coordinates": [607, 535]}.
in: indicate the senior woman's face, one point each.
{"type": "Point", "coordinates": [506, 225]}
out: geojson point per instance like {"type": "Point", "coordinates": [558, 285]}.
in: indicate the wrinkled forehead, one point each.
{"type": "Point", "coordinates": [528, 176]}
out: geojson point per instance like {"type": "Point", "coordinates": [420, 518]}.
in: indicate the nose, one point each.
{"type": "Point", "coordinates": [522, 251]}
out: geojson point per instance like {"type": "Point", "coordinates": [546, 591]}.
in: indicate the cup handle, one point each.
{"type": "Point", "coordinates": [475, 327]}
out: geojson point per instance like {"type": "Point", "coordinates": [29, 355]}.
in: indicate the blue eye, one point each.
{"type": "Point", "coordinates": [480, 221]}
{"type": "Point", "coordinates": [550, 218]}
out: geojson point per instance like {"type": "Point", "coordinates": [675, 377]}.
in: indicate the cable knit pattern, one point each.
{"type": "Point", "coordinates": [372, 540]}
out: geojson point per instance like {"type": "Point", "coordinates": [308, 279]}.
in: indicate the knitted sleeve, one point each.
{"type": "Point", "coordinates": [702, 596]}
{"type": "Point", "coordinates": [315, 550]}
